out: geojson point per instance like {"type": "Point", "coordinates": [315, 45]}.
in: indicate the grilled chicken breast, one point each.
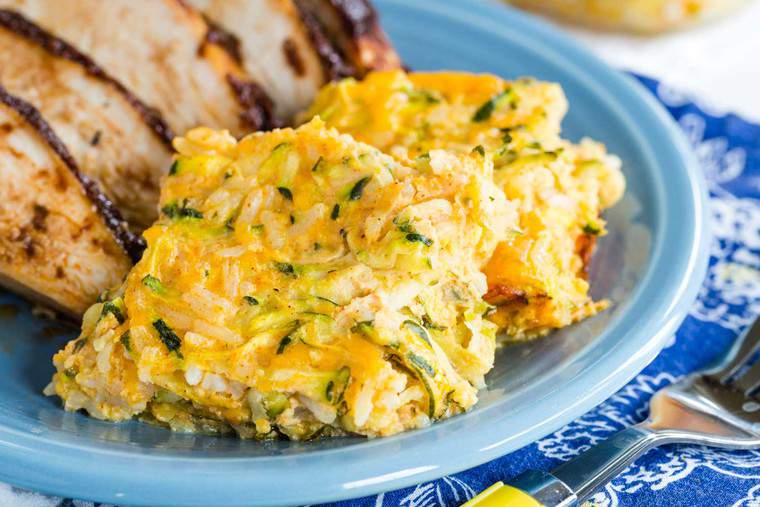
{"type": "Point", "coordinates": [354, 27]}
{"type": "Point", "coordinates": [61, 241]}
{"type": "Point", "coordinates": [274, 46]}
{"type": "Point", "coordinates": [114, 138]}
{"type": "Point", "coordinates": [161, 50]}
{"type": "Point", "coordinates": [293, 47]}
{"type": "Point", "coordinates": [114, 81]}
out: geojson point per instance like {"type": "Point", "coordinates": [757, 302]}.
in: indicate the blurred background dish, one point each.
{"type": "Point", "coordinates": [711, 61]}
{"type": "Point", "coordinates": [639, 16]}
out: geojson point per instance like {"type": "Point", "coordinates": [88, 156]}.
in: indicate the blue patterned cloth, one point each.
{"type": "Point", "coordinates": [728, 149]}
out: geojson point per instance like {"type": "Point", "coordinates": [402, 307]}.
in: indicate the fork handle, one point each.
{"type": "Point", "coordinates": [604, 461]}
{"type": "Point", "coordinates": [570, 482]}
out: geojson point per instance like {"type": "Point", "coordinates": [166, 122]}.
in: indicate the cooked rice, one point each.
{"type": "Point", "coordinates": [341, 293]}
{"type": "Point", "coordinates": [538, 276]}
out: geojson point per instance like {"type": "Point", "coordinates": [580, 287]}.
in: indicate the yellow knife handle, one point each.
{"type": "Point", "coordinates": [531, 489]}
{"type": "Point", "coordinates": [502, 495]}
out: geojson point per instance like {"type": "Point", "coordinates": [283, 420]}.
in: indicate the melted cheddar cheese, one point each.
{"type": "Point", "coordinates": [537, 276]}
{"type": "Point", "coordinates": [299, 283]}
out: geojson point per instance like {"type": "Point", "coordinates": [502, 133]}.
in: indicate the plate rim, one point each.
{"type": "Point", "coordinates": [23, 453]}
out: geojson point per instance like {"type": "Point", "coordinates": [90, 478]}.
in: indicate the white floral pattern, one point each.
{"type": "Point", "coordinates": [730, 296]}
{"type": "Point", "coordinates": [751, 500]}
{"type": "Point", "coordinates": [432, 494]}
{"type": "Point", "coordinates": [719, 163]}
{"type": "Point", "coordinates": [731, 293]}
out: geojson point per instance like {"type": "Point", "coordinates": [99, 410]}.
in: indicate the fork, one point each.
{"type": "Point", "coordinates": [713, 407]}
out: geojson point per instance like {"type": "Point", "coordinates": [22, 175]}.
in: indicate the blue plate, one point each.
{"type": "Point", "coordinates": [650, 265]}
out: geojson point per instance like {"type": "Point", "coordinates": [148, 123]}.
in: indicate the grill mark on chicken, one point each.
{"type": "Point", "coordinates": [20, 25]}
{"type": "Point", "coordinates": [358, 16]}
{"type": "Point", "coordinates": [354, 28]}
{"type": "Point", "coordinates": [360, 19]}
{"type": "Point", "coordinates": [334, 64]}
{"type": "Point", "coordinates": [216, 34]}
{"type": "Point", "coordinates": [258, 108]}
{"type": "Point", "coordinates": [132, 244]}
{"type": "Point", "coordinates": [293, 57]}
{"type": "Point", "coordinates": [39, 215]}
{"type": "Point", "coordinates": [276, 48]}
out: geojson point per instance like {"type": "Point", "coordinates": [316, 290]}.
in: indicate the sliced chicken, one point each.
{"type": "Point", "coordinates": [354, 27]}
{"type": "Point", "coordinates": [61, 242]}
{"type": "Point", "coordinates": [275, 47]}
{"type": "Point", "coordinates": [114, 139]}
{"type": "Point", "coordinates": [161, 50]}
{"type": "Point", "coordinates": [293, 47]}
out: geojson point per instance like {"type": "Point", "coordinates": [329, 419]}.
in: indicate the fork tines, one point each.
{"type": "Point", "coordinates": [734, 369]}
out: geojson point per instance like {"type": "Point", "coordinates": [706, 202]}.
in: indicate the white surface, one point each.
{"type": "Point", "coordinates": [11, 498]}
{"type": "Point", "coordinates": [718, 62]}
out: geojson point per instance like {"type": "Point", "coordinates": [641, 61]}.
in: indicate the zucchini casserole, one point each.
{"type": "Point", "coordinates": [537, 276]}
{"type": "Point", "coordinates": [299, 283]}
{"type": "Point", "coordinates": [349, 276]}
